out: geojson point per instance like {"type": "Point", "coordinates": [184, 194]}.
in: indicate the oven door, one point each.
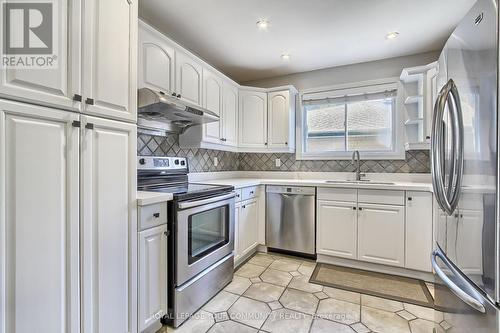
{"type": "Point", "coordinates": [204, 234]}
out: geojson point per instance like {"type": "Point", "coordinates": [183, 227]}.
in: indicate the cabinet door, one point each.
{"type": "Point", "coordinates": [248, 226]}
{"type": "Point", "coordinates": [156, 61]}
{"type": "Point", "coordinates": [212, 100]}
{"type": "Point", "coordinates": [152, 245]}
{"type": "Point", "coordinates": [278, 111]}
{"type": "Point", "coordinates": [39, 220]}
{"type": "Point", "coordinates": [230, 114]}
{"type": "Point", "coordinates": [109, 226]}
{"type": "Point", "coordinates": [110, 59]}
{"type": "Point", "coordinates": [253, 119]}
{"type": "Point", "coordinates": [52, 87]}
{"type": "Point", "coordinates": [418, 233]}
{"type": "Point", "coordinates": [381, 234]}
{"type": "Point", "coordinates": [188, 78]}
{"type": "Point", "coordinates": [431, 93]}
{"type": "Point", "coordinates": [337, 228]}
{"type": "Point", "coordinates": [469, 235]}
{"type": "Point", "coordinates": [237, 210]}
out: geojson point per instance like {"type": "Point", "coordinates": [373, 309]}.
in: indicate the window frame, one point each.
{"type": "Point", "coordinates": [398, 152]}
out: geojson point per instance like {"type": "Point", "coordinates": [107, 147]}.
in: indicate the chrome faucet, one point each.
{"type": "Point", "coordinates": [356, 163]}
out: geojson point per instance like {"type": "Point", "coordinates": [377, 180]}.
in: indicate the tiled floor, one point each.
{"type": "Point", "coordinates": [271, 293]}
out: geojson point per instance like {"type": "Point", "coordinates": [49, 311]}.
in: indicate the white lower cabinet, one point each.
{"type": "Point", "coordinates": [337, 228]}
{"type": "Point", "coordinates": [418, 233]}
{"type": "Point", "coordinates": [152, 250]}
{"type": "Point", "coordinates": [109, 226]}
{"type": "Point", "coordinates": [469, 231]}
{"type": "Point", "coordinates": [248, 226]}
{"type": "Point", "coordinates": [378, 226]}
{"type": "Point", "coordinates": [381, 234]}
{"type": "Point", "coordinates": [39, 221]}
{"type": "Point", "coordinates": [237, 210]}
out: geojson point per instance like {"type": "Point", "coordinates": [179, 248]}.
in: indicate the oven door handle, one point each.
{"type": "Point", "coordinates": [191, 204]}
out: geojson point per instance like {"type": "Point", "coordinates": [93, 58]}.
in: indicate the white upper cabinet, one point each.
{"type": "Point", "coordinates": [250, 119]}
{"type": "Point", "coordinates": [52, 87]}
{"type": "Point", "coordinates": [188, 78]}
{"type": "Point", "coordinates": [39, 220]}
{"type": "Point", "coordinates": [110, 61]}
{"type": "Point", "coordinates": [212, 100]}
{"type": "Point", "coordinates": [156, 61]}
{"type": "Point", "coordinates": [253, 119]}
{"type": "Point", "coordinates": [109, 226]}
{"type": "Point", "coordinates": [230, 114]}
{"type": "Point", "coordinates": [281, 122]}
{"type": "Point", "coordinates": [267, 120]}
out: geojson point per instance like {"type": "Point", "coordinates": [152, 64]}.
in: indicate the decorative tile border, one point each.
{"type": "Point", "coordinates": [202, 160]}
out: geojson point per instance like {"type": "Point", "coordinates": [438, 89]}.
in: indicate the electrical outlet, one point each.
{"type": "Point", "coordinates": [216, 161]}
{"type": "Point", "coordinates": [277, 162]}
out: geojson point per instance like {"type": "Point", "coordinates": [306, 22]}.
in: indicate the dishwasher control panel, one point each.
{"type": "Point", "coordinates": [291, 190]}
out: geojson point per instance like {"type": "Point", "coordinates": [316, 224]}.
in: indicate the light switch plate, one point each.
{"type": "Point", "coordinates": [278, 162]}
{"type": "Point", "coordinates": [216, 161]}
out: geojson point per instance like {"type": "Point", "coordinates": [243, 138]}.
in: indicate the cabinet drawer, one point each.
{"type": "Point", "coordinates": [238, 195]}
{"type": "Point", "coordinates": [248, 192]}
{"type": "Point", "coordinates": [387, 197]}
{"type": "Point", "coordinates": [337, 194]}
{"type": "Point", "coordinates": [152, 215]}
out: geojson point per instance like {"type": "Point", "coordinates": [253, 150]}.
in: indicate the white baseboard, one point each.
{"type": "Point", "coordinates": [242, 259]}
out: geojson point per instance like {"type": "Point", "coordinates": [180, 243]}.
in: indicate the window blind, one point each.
{"type": "Point", "coordinates": [350, 95]}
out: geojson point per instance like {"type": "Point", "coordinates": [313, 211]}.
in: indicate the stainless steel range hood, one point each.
{"type": "Point", "coordinates": [158, 111]}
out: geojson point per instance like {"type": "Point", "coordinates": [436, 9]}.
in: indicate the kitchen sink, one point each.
{"type": "Point", "coordinates": [367, 182]}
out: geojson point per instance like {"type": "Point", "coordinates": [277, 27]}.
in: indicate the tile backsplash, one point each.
{"type": "Point", "coordinates": [199, 160]}
{"type": "Point", "coordinates": [202, 160]}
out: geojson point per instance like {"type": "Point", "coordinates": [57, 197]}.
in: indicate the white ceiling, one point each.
{"type": "Point", "coordinates": [317, 33]}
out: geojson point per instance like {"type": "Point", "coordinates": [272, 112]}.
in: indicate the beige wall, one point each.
{"type": "Point", "coordinates": [349, 73]}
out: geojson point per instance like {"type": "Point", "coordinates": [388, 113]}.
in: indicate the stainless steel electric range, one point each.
{"type": "Point", "coordinates": [201, 234]}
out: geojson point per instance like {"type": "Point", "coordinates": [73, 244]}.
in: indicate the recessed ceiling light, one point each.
{"type": "Point", "coordinates": [285, 56]}
{"type": "Point", "coordinates": [392, 35]}
{"type": "Point", "coordinates": [263, 24]}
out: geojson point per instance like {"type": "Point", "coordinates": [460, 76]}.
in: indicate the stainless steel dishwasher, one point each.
{"type": "Point", "coordinates": [290, 218]}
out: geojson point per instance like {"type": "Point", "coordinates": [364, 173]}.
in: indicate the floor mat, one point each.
{"type": "Point", "coordinates": [393, 287]}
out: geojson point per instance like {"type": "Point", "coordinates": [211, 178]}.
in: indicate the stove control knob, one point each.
{"type": "Point", "coordinates": [176, 162]}
{"type": "Point", "coordinates": [183, 162]}
{"type": "Point", "coordinates": [142, 161]}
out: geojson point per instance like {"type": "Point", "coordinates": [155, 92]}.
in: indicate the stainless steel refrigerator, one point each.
{"type": "Point", "coordinates": [465, 176]}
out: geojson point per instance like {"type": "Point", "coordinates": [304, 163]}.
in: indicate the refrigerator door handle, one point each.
{"type": "Point", "coordinates": [455, 182]}
{"type": "Point", "coordinates": [437, 155]}
{"type": "Point", "coordinates": [464, 296]}
{"type": "Point", "coordinates": [447, 199]}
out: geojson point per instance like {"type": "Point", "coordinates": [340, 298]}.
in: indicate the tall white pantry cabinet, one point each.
{"type": "Point", "coordinates": [68, 220]}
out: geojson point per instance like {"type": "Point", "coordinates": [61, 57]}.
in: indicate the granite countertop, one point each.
{"type": "Point", "coordinates": [145, 198]}
{"type": "Point", "coordinates": [245, 182]}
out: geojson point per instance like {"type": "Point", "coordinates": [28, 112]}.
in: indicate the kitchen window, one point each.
{"type": "Point", "coordinates": [337, 122]}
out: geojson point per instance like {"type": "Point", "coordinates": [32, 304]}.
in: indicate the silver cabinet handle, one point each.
{"type": "Point", "coordinates": [447, 199]}
{"type": "Point", "coordinates": [464, 296]}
